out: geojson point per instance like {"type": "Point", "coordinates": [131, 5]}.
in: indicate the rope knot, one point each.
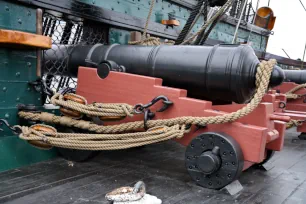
{"type": "Point", "coordinates": [25, 131]}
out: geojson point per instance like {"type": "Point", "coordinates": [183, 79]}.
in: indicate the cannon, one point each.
{"type": "Point", "coordinates": [296, 101]}
{"type": "Point", "coordinates": [221, 72]}
{"type": "Point", "coordinates": [191, 77]}
{"type": "Point", "coordinates": [215, 154]}
{"type": "Point", "coordinates": [296, 76]}
{"type": "Point", "coordinates": [294, 80]}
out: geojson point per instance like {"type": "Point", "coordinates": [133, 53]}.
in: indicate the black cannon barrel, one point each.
{"type": "Point", "coordinates": [222, 72]}
{"type": "Point", "coordinates": [296, 76]}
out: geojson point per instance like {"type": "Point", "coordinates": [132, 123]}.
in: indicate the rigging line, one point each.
{"type": "Point", "coordinates": [257, 6]}
{"type": "Point", "coordinates": [302, 4]}
{"type": "Point", "coordinates": [238, 24]}
{"type": "Point", "coordinates": [286, 53]}
{"type": "Point", "coordinates": [302, 66]}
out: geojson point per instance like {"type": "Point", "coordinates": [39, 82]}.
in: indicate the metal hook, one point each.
{"type": "Point", "coordinates": [3, 121]}
{"type": "Point", "coordinates": [139, 186]}
{"type": "Point", "coordinates": [148, 115]}
{"type": "Point", "coordinates": [139, 108]}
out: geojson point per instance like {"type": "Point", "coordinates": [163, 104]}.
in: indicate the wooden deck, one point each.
{"type": "Point", "coordinates": [161, 167]}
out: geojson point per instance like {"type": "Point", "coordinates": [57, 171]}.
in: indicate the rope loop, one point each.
{"type": "Point", "coordinates": [68, 103]}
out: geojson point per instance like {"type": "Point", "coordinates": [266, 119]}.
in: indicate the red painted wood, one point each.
{"type": "Point", "coordinates": [278, 144]}
{"type": "Point", "coordinates": [250, 132]}
{"type": "Point", "coordinates": [247, 165]}
{"type": "Point", "coordinates": [301, 128]}
{"type": "Point", "coordinates": [293, 104]}
{"type": "Point", "coordinates": [259, 117]}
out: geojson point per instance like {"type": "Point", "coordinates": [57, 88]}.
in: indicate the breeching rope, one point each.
{"type": "Point", "coordinates": [119, 136]}
{"type": "Point", "coordinates": [291, 95]}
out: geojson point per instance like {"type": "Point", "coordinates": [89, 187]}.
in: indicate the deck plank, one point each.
{"type": "Point", "coordinates": [162, 168]}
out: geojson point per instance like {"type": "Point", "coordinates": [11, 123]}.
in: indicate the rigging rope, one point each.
{"type": "Point", "coordinates": [190, 21]}
{"type": "Point", "coordinates": [151, 41]}
{"type": "Point", "coordinates": [211, 20]}
{"type": "Point", "coordinates": [116, 136]}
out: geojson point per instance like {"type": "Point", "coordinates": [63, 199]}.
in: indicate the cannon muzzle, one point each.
{"type": "Point", "coordinates": [296, 76]}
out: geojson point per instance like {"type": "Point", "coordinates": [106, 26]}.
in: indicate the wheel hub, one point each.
{"type": "Point", "coordinates": [214, 160]}
{"type": "Point", "coordinates": [209, 162]}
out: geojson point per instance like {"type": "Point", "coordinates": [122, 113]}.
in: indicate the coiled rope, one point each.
{"type": "Point", "coordinates": [116, 136]}
{"type": "Point", "coordinates": [101, 141]}
{"type": "Point", "coordinates": [95, 109]}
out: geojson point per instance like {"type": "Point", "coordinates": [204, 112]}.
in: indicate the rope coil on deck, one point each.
{"type": "Point", "coordinates": [115, 137]}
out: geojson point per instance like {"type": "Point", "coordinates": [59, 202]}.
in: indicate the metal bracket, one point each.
{"type": "Point", "coordinates": [15, 130]}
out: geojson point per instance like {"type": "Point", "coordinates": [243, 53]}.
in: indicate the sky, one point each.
{"type": "Point", "coordinates": [289, 29]}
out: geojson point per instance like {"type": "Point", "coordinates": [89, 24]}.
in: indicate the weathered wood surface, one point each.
{"type": "Point", "coordinates": [161, 167]}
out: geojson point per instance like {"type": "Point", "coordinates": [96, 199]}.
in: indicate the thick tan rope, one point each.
{"type": "Point", "coordinates": [262, 81]}
{"type": "Point", "coordinates": [95, 109]}
{"type": "Point", "coordinates": [151, 41]}
{"type": "Point", "coordinates": [102, 141]}
{"type": "Point", "coordinates": [291, 95]}
{"type": "Point", "coordinates": [144, 35]}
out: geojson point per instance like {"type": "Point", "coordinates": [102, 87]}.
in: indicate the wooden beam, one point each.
{"type": "Point", "coordinates": [12, 37]}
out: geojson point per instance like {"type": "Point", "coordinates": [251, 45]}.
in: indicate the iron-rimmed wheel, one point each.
{"type": "Point", "coordinates": [214, 160]}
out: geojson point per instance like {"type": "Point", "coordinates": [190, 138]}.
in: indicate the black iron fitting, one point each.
{"type": "Point", "coordinates": [14, 129]}
{"type": "Point", "coordinates": [40, 85]}
{"type": "Point", "coordinates": [140, 108]}
{"type": "Point", "coordinates": [148, 114]}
